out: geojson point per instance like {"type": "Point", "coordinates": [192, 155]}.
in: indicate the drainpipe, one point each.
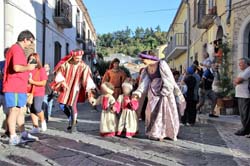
{"type": "Point", "coordinates": [188, 31]}
{"type": "Point", "coordinates": [4, 24]}
{"type": "Point", "coordinates": [229, 10]}
{"type": "Point", "coordinates": [44, 31]}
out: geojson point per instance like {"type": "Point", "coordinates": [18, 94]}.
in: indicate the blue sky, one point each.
{"type": "Point", "coordinates": [113, 15]}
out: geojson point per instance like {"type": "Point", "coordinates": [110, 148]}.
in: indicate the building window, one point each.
{"type": "Point", "coordinates": [88, 34]}
{"type": "Point", "coordinates": [57, 52]}
{"type": "Point", "coordinates": [211, 7]}
{"type": "Point", "coordinates": [195, 12]}
{"type": "Point", "coordinates": [78, 24]}
{"type": "Point", "coordinates": [67, 48]}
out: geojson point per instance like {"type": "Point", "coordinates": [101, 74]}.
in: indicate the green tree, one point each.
{"type": "Point", "coordinates": [131, 43]}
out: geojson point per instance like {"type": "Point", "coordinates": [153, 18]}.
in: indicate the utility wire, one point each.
{"type": "Point", "coordinates": [134, 13]}
{"type": "Point", "coordinates": [159, 10]}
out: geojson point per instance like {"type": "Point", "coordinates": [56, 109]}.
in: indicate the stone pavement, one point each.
{"type": "Point", "coordinates": [205, 144]}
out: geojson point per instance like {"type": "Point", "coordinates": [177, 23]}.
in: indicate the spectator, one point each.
{"type": "Point", "coordinates": [37, 81]}
{"type": "Point", "coordinates": [15, 71]}
{"type": "Point", "coordinates": [207, 91]}
{"type": "Point", "coordinates": [115, 76]}
{"type": "Point", "coordinates": [198, 80]}
{"type": "Point", "coordinates": [243, 95]}
{"type": "Point", "coordinates": [2, 100]}
{"type": "Point", "coordinates": [190, 111]}
{"type": "Point", "coordinates": [176, 75]}
{"type": "Point", "coordinates": [199, 69]}
{"type": "Point", "coordinates": [49, 93]}
{"type": "Point", "coordinates": [206, 64]}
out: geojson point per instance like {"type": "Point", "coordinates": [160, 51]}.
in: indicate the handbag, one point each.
{"type": "Point", "coordinates": [30, 96]}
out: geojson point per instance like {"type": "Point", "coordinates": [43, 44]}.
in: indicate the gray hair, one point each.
{"type": "Point", "coordinates": [246, 60]}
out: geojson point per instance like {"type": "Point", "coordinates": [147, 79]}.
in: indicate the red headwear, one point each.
{"type": "Point", "coordinates": [67, 58]}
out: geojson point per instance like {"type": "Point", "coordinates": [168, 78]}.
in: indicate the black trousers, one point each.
{"type": "Point", "coordinates": [190, 112]}
{"type": "Point", "coordinates": [244, 109]}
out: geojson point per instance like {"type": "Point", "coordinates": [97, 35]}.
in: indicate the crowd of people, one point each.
{"type": "Point", "coordinates": [162, 97]}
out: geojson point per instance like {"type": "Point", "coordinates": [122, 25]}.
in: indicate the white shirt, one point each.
{"type": "Point", "coordinates": [206, 62]}
{"type": "Point", "coordinates": [242, 89]}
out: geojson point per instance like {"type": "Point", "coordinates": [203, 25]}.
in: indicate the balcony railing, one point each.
{"type": "Point", "coordinates": [63, 14]}
{"type": "Point", "coordinates": [206, 14]}
{"type": "Point", "coordinates": [177, 45]}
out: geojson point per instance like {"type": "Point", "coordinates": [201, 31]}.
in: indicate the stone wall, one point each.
{"type": "Point", "coordinates": [241, 13]}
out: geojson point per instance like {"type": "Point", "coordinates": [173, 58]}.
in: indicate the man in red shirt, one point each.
{"type": "Point", "coordinates": [15, 85]}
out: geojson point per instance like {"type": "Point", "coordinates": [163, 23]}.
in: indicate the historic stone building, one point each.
{"type": "Point", "coordinates": [58, 25]}
{"type": "Point", "coordinates": [210, 21]}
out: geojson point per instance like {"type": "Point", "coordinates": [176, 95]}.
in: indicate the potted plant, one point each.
{"type": "Point", "coordinates": [226, 84]}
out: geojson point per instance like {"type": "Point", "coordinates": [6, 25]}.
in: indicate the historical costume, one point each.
{"type": "Point", "coordinates": [142, 101]}
{"type": "Point", "coordinates": [108, 123]}
{"type": "Point", "coordinates": [162, 118]}
{"type": "Point", "coordinates": [73, 80]}
{"type": "Point", "coordinates": [128, 121]}
{"type": "Point", "coordinates": [115, 76]}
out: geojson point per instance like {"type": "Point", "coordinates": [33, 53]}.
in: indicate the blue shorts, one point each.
{"type": "Point", "coordinates": [15, 99]}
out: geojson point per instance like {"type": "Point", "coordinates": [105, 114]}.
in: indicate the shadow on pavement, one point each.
{"type": "Point", "coordinates": [69, 152]}
{"type": "Point", "coordinates": [3, 163]}
{"type": "Point", "coordinates": [22, 160]}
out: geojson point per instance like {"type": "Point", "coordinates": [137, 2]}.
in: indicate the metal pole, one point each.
{"type": "Point", "coordinates": [188, 32]}
{"type": "Point", "coordinates": [4, 24]}
{"type": "Point", "coordinates": [44, 32]}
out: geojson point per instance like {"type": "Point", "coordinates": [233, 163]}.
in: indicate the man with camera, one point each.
{"type": "Point", "coordinates": [15, 84]}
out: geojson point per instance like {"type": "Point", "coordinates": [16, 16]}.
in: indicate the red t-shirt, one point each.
{"type": "Point", "coordinates": [15, 82]}
{"type": "Point", "coordinates": [39, 75]}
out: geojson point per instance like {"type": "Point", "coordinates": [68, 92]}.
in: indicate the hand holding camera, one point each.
{"type": "Point", "coordinates": [32, 64]}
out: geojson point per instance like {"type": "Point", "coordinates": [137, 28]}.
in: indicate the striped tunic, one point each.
{"type": "Point", "coordinates": [76, 76]}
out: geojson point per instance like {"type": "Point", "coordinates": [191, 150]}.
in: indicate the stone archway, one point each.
{"type": "Point", "coordinates": [244, 39]}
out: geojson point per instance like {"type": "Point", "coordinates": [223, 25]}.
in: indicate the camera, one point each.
{"type": "Point", "coordinates": [33, 61]}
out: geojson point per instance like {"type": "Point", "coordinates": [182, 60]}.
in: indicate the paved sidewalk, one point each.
{"type": "Point", "coordinates": [227, 125]}
{"type": "Point", "coordinates": [205, 144]}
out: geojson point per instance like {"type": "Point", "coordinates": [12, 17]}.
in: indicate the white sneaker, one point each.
{"type": "Point", "coordinates": [35, 130]}
{"type": "Point", "coordinates": [43, 126]}
{"type": "Point", "coordinates": [27, 137]}
{"type": "Point", "coordinates": [16, 140]}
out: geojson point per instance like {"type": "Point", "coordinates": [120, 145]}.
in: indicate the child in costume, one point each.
{"type": "Point", "coordinates": [108, 123]}
{"type": "Point", "coordinates": [128, 120]}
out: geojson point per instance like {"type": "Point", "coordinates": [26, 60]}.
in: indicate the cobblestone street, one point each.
{"type": "Point", "coordinates": [205, 144]}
